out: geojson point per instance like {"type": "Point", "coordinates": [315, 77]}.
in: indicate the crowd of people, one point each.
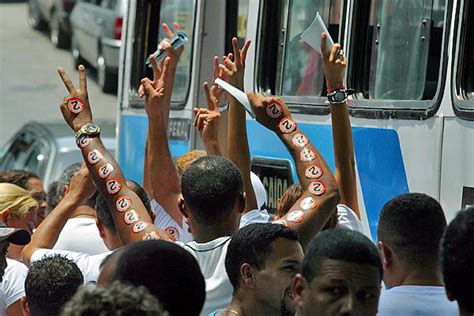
{"type": "Point", "coordinates": [197, 239]}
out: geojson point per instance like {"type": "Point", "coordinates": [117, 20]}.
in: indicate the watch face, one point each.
{"type": "Point", "coordinates": [339, 96]}
{"type": "Point", "coordinates": [90, 128]}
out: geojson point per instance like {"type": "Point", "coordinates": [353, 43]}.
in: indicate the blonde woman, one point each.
{"type": "Point", "coordinates": [18, 210]}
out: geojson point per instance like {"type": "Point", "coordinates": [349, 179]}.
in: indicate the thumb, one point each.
{"type": "Point", "coordinates": [148, 87]}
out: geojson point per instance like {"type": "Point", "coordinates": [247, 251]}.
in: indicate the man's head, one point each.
{"type": "Point", "coordinates": [212, 190]}
{"type": "Point", "coordinates": [31, 183]}
{"type": "Point", "coordinates": [7, 236]}
{"type": "Point", "coordinates": [116, 299]}
{"type": "Point", "coordinates": [64, 182]}
{"type": "Point", "coordinates": [185, 160]}
{"type": "Point", "coordinates": [261, 262]}
{"type": "Point", "coordinates": [409, 230]}
{"type": "Point", "coordinates": [457, 260]}
{"type": "Point", "coordinates": [341, 274]}
{"type": "Point", "coordinates": [52, 198]}
{"type": "Point", "coordinates": [168, 271]}
{"type": "Point", "coordinates": [50, 283]}
{"type": "Point", "coordinates": [105, 220]}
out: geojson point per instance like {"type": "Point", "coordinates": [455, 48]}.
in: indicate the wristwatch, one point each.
{"type": "Point", "coordinates": [89, 129]}
{"type": "Point", "coordinates": [339, 96]}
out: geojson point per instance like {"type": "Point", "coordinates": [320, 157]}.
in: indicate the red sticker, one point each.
{"type": "Point", "coordinates": [83, 141]}
{"type": "Point", "coordinates": [317, 187]}
{"type": "Point", "coordinates": [123, 203]}
{"type": "Point", "coordinates": [94, 156]}
{"type": "Point", "coordinates": [299, 140]}
{"type": "Point", "coordinates": [308, 203]}
{"type": "Point", "coordinates": [139, 226]}
{"type": "Point", "coordinates": [274, 110]}
{"type": "Point", "coordinates": [307, 154]}
{"type": "Point", "coordinates": [151, 236]}
{"type": "Point", "coordinates": [313, 172]}
{"type": "Point", "coordinates": [131, 217]}
{"type": "Point", "coordinates": [105, 170]}
{"type": "Point", "coordinates": [113, 186]}
{"type": "Point", "coordinates": [75, 105]}
{"type": "Point", "coordinates": [280, 222]}
{"type": "Point", "coordinates": [173, 231]}
{"type": "Point", "coordinates": [295, 216]}
{"type": "Point", "coordinates": [287, 125]}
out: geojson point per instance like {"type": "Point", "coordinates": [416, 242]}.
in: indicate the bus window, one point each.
{"type": "Point", "coordinates": [148, 33]}
{"type": "Point", "coordinates": [236, 22]}
{"type": "Point", "coordinates": [464, 77]}
{"type": "Point", "coordinates": [396, 50]}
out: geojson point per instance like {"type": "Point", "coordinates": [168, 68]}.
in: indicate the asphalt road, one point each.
{"type": "Point", "coordinates": [30, 88]}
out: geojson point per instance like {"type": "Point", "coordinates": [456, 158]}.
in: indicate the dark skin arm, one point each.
{"type": "Point", "coordinates": [320, 197]}
{"type": "Point", "coordinates": [334, 66]}
{"type": "Point", "coordinates": [131, 218]}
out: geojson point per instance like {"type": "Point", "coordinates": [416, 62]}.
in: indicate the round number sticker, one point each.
{"type": "Point", "coordinates": [75, 105]}
{"type": "Point", "coordinates": [295, 216]}
{"type": "Point", "coordinates": [308, 203]}
{"type": "Point", "coordinates": [313, 172]}
{"type": "Point", "coordinates": [151, 236]}
{"type": "Point", "coordinates": [317, 188]}
{"type": "Point", "coordinates": [173, 231]}
{"type": "Point", "coordinates": [300, 140]}
{"type": "Point", "coordinates": [287, 125]}
{"type": "Point", "coordinates": [139, 226]}
{"type": "Point", "coordinates": [94, 156]}
{"type": "Point", "coordinates": [274, 110]}
{"type": "Point", "coordinates": [113, 186]}
{"type": "Point", "coordinates": [307, 155]}
{"type": "Point", "coordinates": [131, 217]}
{"type": "Point", "coordinates": [123, 203]}
{"type": "Point", "coordinates": [280, 222]}
{"type": "Point", "coordinates": [83, 141]}
{"type": "Point", "coordinates": [105, 170]}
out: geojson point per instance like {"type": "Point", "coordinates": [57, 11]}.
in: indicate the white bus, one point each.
{"type": "Point", "coordinates": [411, 64]}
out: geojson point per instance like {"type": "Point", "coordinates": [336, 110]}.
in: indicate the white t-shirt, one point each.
{"type": "Point", "coordinates": [417, 300]}
{"type": "Point", "coordinates": [347, 218]}
{"type": "Point", "coordinates": [13, 284]}
{"type": "Point", "coordinates": [253, 217]}
{"type": "Point", "coordinates": [88, 264]}
{"type": "Point", "coordinates": [211, 259]}
{"type": "Point", "coordinates": [164, 221]}
{"type": "Point", "coordinates": [80, 234]}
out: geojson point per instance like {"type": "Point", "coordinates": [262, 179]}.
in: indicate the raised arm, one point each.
{"type": "Point", "coordinates": [47, 233]}
{"type": "Point", "coordinates": [321, 195]}
{"type": "Point", "coordinates": [334, 66]}
{"type": "Point", "coordinates": [237, 142]}
{"type": "Point", "coordinates": [131, 218]}
{"type": "Point", "coordinates": [160, 174]}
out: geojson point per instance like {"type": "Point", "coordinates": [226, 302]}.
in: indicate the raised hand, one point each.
{"type": "Point", "coordinates": [154, 90]}
{"type": "Point", "coordinates": [334, 64]}
{"type": "Point", "coordinates": [235, 69]}
{"type": "Point", "coordinates": [270, 111]}
{"type": "Point", "coordinates": [207, 119]}
{"type": "Point", "coordinates": [81, 184]}
{"type": "Point", "coordinates": [222, 96]}
{"type": "Point", "coordinates": [165, 44]}
{"type": "Point", "coordinates": [75, 107]}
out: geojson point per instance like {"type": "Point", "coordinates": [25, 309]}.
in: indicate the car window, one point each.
{"type": "Point", "coordinates": [37, 161]}
{"type": "Point", "coordinates": [18, 151]}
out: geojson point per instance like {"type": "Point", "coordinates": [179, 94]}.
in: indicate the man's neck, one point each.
{"type": "Point", "coordinates": [245, 304]}
{"type": "Point", "coordinates": [425, 276]}
{"type": "Point", "coordinates": [203, 234]}
{"type": "Point", "coordinates": [84, 211]}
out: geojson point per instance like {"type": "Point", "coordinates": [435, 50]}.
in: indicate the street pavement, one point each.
{"type": "Point", "coordinates": [30, 88]}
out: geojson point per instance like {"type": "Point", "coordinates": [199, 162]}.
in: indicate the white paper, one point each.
{"type": "Point", "coordinates": [312, 35]}
{"type": "Point", "coordinates": [237, 94]}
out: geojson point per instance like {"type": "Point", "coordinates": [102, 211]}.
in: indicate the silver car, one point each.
{"type": "Point", "coordinates": [96, 32]}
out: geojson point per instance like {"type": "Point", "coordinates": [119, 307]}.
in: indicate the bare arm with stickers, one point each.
{"type": "Point", "coordinates": [159, 165]}
{"type": "Point", "coordinates": [321, 195]}
{"type": "Point", "coordinates": [237, 142]}
{"type": "Point", "coordinates": [47, 233]}
{"type": "Point", "coordinates": [130, 215]}
{"type": "Point", "coordinates": [334, 66]}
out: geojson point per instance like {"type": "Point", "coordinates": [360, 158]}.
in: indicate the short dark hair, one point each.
{"type": "Point", "coordinates": [210, 187]}
{"type": "Point", "coordinates": [168, 271]}
{"type": "Point", "coordinates": [116, 299]}
{"type": "Point", "coordinates": [339, 244]}
{"type": "Point", "coordinates": [412, 224]}
{"type": "Point", "coordinates": [457, 258]}
{"type": "Point", "coordinates": [252, 244]}
{"type": "Point", "coordinates": [50, 283]}
{"type": "Point", "coordinates": [52, 197]}
{"type": "Point", "coordinates": [104, 215]}
{"type": "Point", "coordinates": [18, 177]}
{"type": "Point", "coordinates": [65, 180]}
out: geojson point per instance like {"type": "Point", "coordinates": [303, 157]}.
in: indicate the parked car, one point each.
{"type": "Point", "coordinates": [47, 149]}
{"type": "Point", "coordinates": [96, 33]}
{"type": "Point", "coordinates": [52, 14]}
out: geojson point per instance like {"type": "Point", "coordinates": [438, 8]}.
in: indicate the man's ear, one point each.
{"type": "Point", "coordinates": [25, 309]}
{"type": "Point", "coordinates": [386, 253]}
{"type": "Point", "coordinates": [5, 215]}
{"type": "Point", "coordinates": [101, 228]}
{"type": "Point", "coordinates": [65, 190]}
{"type": "Point", "coordinates": [299, 286]}
{"type": "Point", "coordinates": [153, 216]}
{"type": "Point", "coordinates": [247, 275]}
{"type": "Point", "coordinates": [182, 207]}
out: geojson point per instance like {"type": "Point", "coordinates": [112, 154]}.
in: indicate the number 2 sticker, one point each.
{"type": "Point", "coordinates": [94, 156]}
{"type": "Point", "coordinates": [139, 226]}
{"type": "Point", "coordinates": [313, 172]}
{"type": "Point", "coordinates": [287, 125]}
{"type": "Point", "coordinates": [113, 186]}
{"type": "Point", "coordinates": [274, 110]}
{"type": "Point", "coordinates": [131, 217]}
{"type": "Point", "coordinates": [307, 155]}
{"type": "Point", "coordinates": [75, 105]}
{"type": "Point", "coordinates": [83, 141]}
{"type": "Point", "coordinates": [105, 170]}
{"type": "Point", "coordinates": [123, 203]}
{"type": "Point", "coordinates": [299, 140]}
{"type": "Point", "coordinates": [317, 187]}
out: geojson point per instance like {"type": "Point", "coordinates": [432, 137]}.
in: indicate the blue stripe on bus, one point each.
{"type": "Point", "coordinates": [133, 129]}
